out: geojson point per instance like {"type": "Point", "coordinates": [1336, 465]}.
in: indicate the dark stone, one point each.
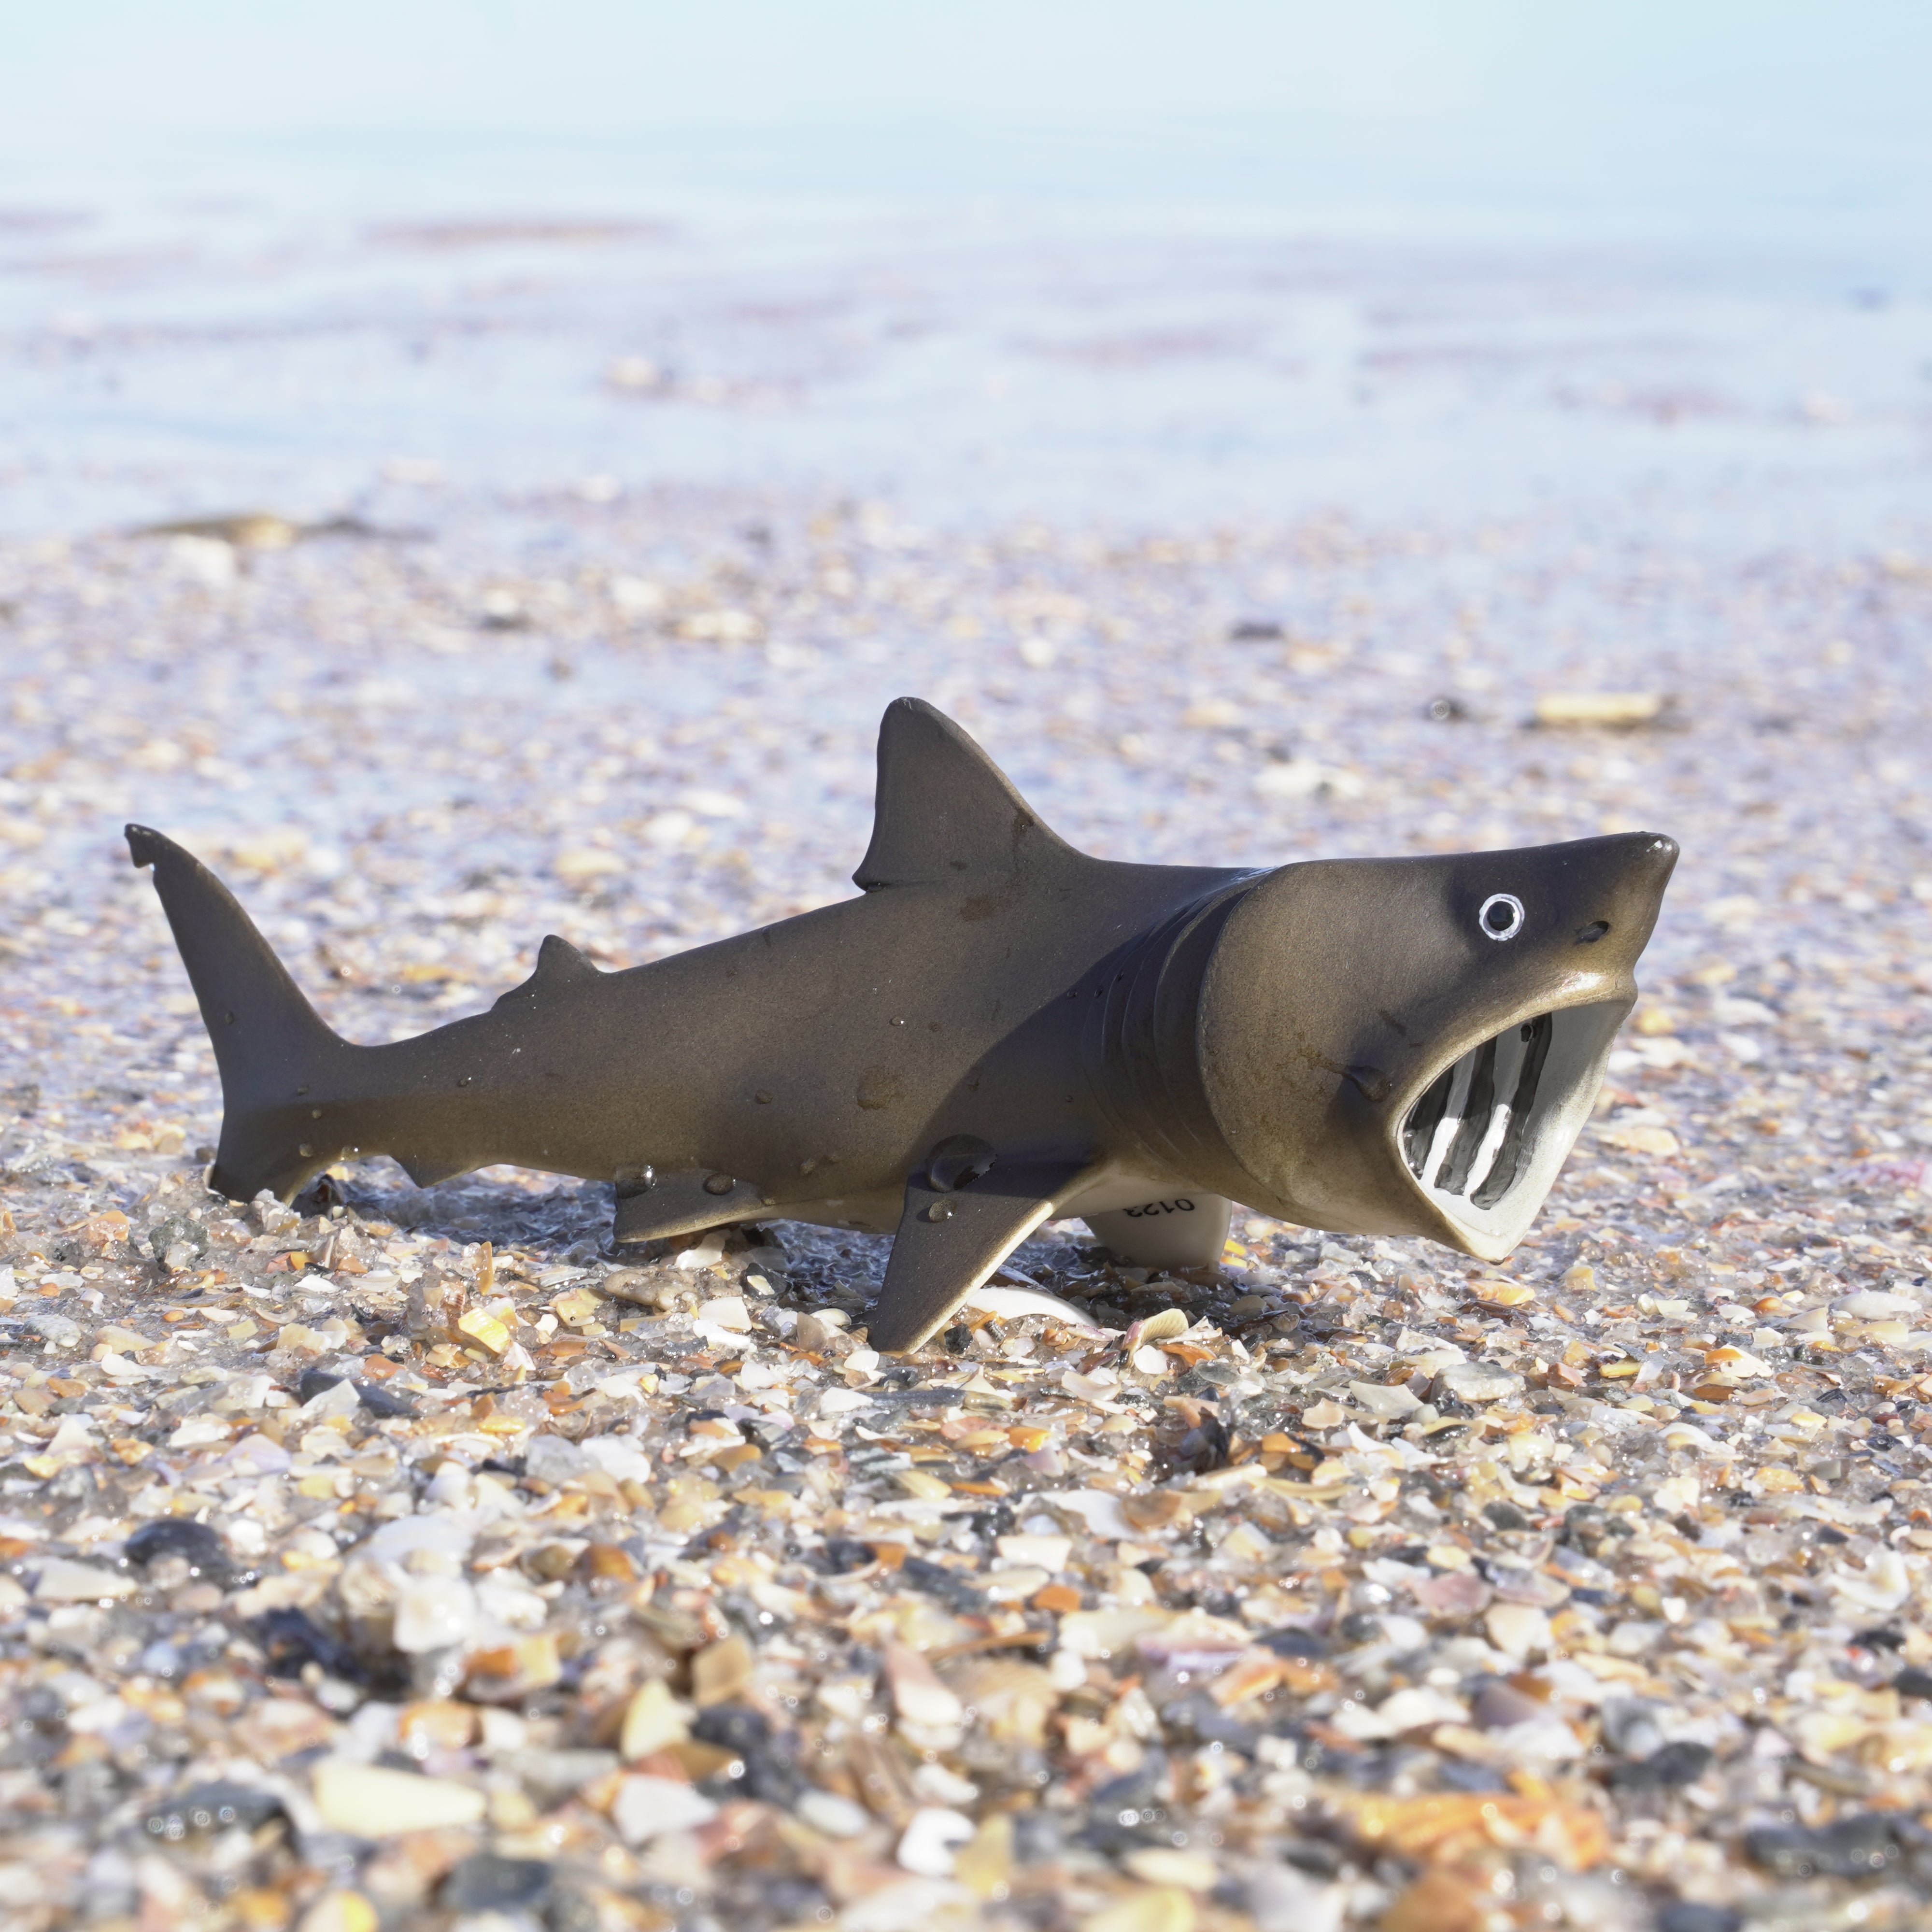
{"type": "Point", "coordinates": [1205, 1446]}
{"type": "Point", "coordinates": [1685, 1915]}
{"type": "Point", "coordinates": [484, 1882]}
{"type": "Point", "coordinates": [1499, 1705]}
{"type": "Point", "coordinates": [1880, 1639]}
{"type": "Point", "coordinates": [1505, 1516]}
{"type": "Point", "coordinates": [312, 1382]}
{"type": "Point", "coordinates": [376, 1399]}
{"type": "Point", "coordinates": [1289, 1642]}
{"type": "Point", "coordinates": [1913, 1682]}
{"type": "Point", "coordinates": [1315, 1856]}
{"type": "Point", "coordinates": [1359, 1626]}
{"type": "Point", "coordinates": [841, 1556]}
{"type": "Point", "coordinates": [770, 1759]}
{"type": "Point", "coordinates": [204, 1809]}
{"type": "Point", "coordinates": [572, 1911]}
{"type": "Point", "coordinates": [1127, 1813]}
{"type": "Point", "coordinates": [1862, 1846]}
{"type": "Point", "coordinates": [1037, 1839]}
{"type": "Point", "coordinates": [291, 1639]}
{"type": "Point", "coordinates": [385, 1402]}
{"type": "Point", "coordinates": [947, 1585]}
{"type": "Point", "coordinates": [1202, 1719]}
{"type": "Point", "coordinates": [199, 1546]}
{"type": "Point", "coordinates": [1668, 1769]}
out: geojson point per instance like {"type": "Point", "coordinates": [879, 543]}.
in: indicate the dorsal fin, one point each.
{"type": "Point", "coordinates": [558, 963]}
{"type": "Point", "coordinates": [944, 809]}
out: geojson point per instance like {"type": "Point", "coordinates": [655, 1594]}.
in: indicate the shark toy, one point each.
{"type": "Point", "coordinates": [1000, 1030]}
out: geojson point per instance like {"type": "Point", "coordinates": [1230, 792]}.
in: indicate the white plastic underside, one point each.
{"type": "Point", "coordinates": [1180, 1229]}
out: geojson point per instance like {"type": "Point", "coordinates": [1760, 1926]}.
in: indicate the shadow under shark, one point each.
{"type": "Point", "coordinates": [1000, 1031]}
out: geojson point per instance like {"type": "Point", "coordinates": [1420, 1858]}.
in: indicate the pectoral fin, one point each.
{"type": "Point", "coordinates": [950, 1241]}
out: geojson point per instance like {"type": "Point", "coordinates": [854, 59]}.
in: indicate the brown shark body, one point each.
{"type": "Point", "coordinates": [1000, 1030]}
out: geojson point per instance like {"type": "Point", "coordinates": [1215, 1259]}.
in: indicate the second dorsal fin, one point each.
{"type": "Point", "coordinates": [944, 809]}
{"type": "Point", "coordinates": [560, 967]}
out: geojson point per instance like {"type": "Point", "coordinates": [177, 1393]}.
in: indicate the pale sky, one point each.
{"type": "Point", "coordinates": [1752, 113]}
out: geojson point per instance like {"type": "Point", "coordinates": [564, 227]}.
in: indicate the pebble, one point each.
{"type": "Point", "coordinates": [646, 1807]}
{"type": "Point", "coordinates": [652, 1720]}
{"type": "Point", "coordinates": [61, 1581]}
{"type": "Point", "coordinates": [1516, 1629]}
{"type": "Point", "coordinates": [837, 1817]}
{"type": "Point", "coordinates": [1154, 1908]}
{"type": "Point", "coordinates": [488, 1882]}
{"type": "Point", "coordinates": [340, 1912]}
{"type": "Point", "coordinates": [1387, 1403]}
{"type": "Point", "coordinates": [932, 1835]}
{"type": "Point", "coordinates": [918, 1695]}
{"type": "Point", "coordinates": [436, 1613]}
{"type": "Point", "coordinates": [368, 1801]}
{"type": "Point", "coordinates": [1473, 1381]}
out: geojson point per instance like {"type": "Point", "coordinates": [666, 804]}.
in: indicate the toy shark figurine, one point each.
{"type": "Point", "coordinates": [999, 1031]}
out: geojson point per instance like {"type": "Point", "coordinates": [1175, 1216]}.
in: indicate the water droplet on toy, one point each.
{"type": "Point", "coordinates": [719, 1184]}
{"type": "Point", "coordinates": [939, 1210]}
{"type": "Point", "coordinates": [958, 1161]}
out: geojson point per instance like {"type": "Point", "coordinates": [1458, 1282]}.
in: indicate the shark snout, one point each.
{"type": "Point", "coordinates": [1624, 907]}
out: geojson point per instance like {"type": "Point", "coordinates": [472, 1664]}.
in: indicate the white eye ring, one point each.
{"type": "Point", "coordinates": [1500, 916]}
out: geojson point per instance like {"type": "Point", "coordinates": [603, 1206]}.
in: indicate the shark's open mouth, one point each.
{"type": "Point", "coordinates": [1484, 1140]}
{"type": "Point", "coordinates": [1468, 1134]}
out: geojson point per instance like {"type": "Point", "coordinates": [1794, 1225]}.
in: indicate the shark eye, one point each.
{"type": "Point", "coordinates": [1501, 916]}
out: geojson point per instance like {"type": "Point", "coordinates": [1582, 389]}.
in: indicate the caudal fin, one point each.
{"type": "Point", "coordinates": [275, 1053]}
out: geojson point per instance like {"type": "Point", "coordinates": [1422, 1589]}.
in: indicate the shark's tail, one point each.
{"type": "Point", "coordinates": [276, 1055]}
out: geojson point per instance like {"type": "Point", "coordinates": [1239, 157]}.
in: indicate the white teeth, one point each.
{"type": "Point", "coordinates": [1509, 1065]}
{"type": "Point", "coordinates": [1465, 1138]}
{"type": "Point", "coordinates": [1451, 1124]}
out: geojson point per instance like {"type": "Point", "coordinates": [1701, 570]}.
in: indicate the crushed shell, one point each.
{"type": "Point", "coordinates": [406, 1554]}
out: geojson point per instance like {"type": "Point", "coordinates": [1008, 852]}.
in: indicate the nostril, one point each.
{"type": "Point", "coordinates": [1589, 935]}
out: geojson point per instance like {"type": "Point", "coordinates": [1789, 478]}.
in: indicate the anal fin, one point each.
{"type": "Point", "coordinates": [683, 1203]}
{"type": "Point", "coordinates": [950, 1241]}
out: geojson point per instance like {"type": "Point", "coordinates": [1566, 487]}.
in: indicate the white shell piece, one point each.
{"type": "Point", "coordinates": [1008, 1304]}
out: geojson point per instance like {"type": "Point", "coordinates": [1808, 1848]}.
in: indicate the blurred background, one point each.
{"type": "Point", "coordinates": [475, 467]}
{"type": "Point", "coordinates": [1136, 262]}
